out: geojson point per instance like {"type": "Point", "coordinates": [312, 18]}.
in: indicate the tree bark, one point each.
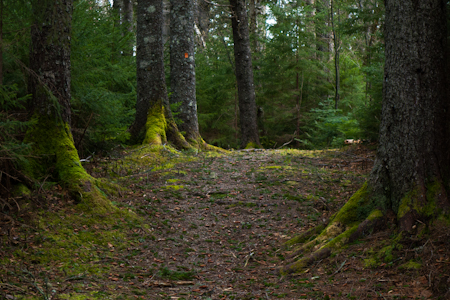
{"type": "Point", "coordinates": [182, 67]}
{"type": "Point", "coordinates": [336, 43]}
{"type": "Point", "coordinates": [410, 178]}
{"type": "Point", "coordinates": [244, 75]}
{"type": "Point", "coordinates": [202, 20]}
{"type": "Point", "coordinates": [118, 17]}
{"type": "Point", "coordinates": [50, 59]}
{"type": "Point", "coordinates": [128, 22]}
{"type": "Point", "coordinates": [414, 145]}
{"type": "Point", "coordinates": [153, 121]}
{"type": "Point", "coordinates": [52, 143]}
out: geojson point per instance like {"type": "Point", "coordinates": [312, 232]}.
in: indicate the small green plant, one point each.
{"type": "Point", "coordinates": [175, 275]}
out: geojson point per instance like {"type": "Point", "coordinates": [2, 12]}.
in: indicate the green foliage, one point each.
{"type": "Point", "coordinates": [293, 73]}
{"type": "Point", "coordinates": [216, 91]}
{"type": "Point", "coordinates": [175, 275]}
{"type": "Point", "coordinates": [103, 78]}
{"type": "Point", "coordinates": [289, 73]}
{"type": "Point", "coordinates": [175, 108]}
{"type": "Point", "coordinates": [330, 127]}
{"type": "Point", "coordinates": [13, 151]}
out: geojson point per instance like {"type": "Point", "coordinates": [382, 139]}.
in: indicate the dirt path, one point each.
{"type": "Point", "coordinates": [218, 223]}
{"type": "Point", "coordinates": [211, 227]}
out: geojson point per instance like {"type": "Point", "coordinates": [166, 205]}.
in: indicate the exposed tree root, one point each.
{"type": "Point", "coordinates": [343, 228]}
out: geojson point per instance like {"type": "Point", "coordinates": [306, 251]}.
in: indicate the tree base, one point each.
{"type": "Point", "coordinates": [57, 157]}
{"type": "Point", "coordinates": [159, 129]}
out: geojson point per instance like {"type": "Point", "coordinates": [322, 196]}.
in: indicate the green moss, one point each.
{"type": "Point", "coordinates": [386, 253]}
{"type": "Point", "coordinates": [296, 267]}
{"type": "Point", "coordinates": [375, 214]}
{"type": "Point", "coordinates": [341, 239]}
{"type": "Point", "coordinates": [240, 203]}
{"type": "Point", "coordinates": [371, 263]}
{"type": "Point", "coordinates": [75, 242]}
{"type": "Point", "coordinates": [349, 213]}
{"type": "Point", "coordinates": [108, 188]}
{"type": "Point", "coordinates": [305, 237]}
{"type": "Point", "coordinates": [411, 265]}
{"type": "Point", "coordinates": [328, 239]}
{"type": "Point", "coordinates": [54, 148]}
{"type": "Point", "coordinates": [20, 190]}
{"type": "Point", "coordinates": [53, 143]}
{"type": "Point", "coordinates": [413, 200]}
{"type": "Point", "coordinates": [252, 145]}
{"type": "Point", "coordinates": [156, 126]}
{"type": "Point", "coordinates": [406, 203]}
{"type": "Point", "coordinates": [174, 187]}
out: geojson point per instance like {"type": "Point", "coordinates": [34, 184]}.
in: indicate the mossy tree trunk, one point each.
{"type": "Point", "coordinates": [153, 123]}
{"type": "Point", "coordinates": [410, 178]}
{"type": "Point", "coordinates": [50, 136]}
{"type": "Point", "coordinates": [244, 75]}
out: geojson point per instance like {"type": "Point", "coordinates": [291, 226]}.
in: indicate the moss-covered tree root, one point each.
{"type": "Point", "coordinates": [161, 129]}
{"type": "Point", "coordinates": [346, 226]}
{"type": "Point", "coordinates": [367, 212]}
{"type": "Point", "coordinates": [57, 157]}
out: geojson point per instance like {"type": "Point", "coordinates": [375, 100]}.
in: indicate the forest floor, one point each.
{"type": "Point", "coordinates": [211, 226]}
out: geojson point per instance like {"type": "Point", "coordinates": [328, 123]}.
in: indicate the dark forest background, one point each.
{"type": "Point", "coordinates": [318, 69]}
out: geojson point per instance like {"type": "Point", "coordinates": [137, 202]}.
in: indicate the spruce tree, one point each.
{"type": "Point", "coordinates": [153, 123]}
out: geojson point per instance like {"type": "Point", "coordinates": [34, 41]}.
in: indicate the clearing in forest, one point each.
{"type": "Point", "coordinates": [206, 226]}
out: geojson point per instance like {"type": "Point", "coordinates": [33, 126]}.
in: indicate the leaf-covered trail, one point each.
{"type": "Point", "coordinates": [218, 223]}
{"type": "Point", "coordinates": [209, 226]}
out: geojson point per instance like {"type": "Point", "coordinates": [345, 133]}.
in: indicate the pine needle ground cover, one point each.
{"type": "Point", "coordinates": [190, 225]}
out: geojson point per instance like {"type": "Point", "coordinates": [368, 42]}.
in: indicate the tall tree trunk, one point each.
{"type": "Point", "coordinates": [310, 21]}
{"type": "Point", "coordinates": [253, 24]}
{"type": "Point", "coordinates": [336, 43]}
{"type": "Point", "coordinates": [411, 173]}
{"type": "Point", "coordinates": [49, 84]}
{"type": "Point", "coordinates": [128, 22]}
{"type": "Point", "coordinates": [414, 144]}
{"type": "Point", "coordinates": [153, 121]}
{"type": "Point", "coordinates": [118, 10]}
{"type": "Point", "coordinates": [118, 16]}
{"type": "Point", "coordinates": [244, 75]}
{"type": "Point", "coordinates": [182, 68]}
{"type": "Point", "coordinates": [202, 20]}
{"type": "Point", "coordinates": [50, 59]}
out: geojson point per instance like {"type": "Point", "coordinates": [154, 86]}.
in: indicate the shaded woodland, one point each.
{"type": "Point", "coordinates": [102, 100]}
